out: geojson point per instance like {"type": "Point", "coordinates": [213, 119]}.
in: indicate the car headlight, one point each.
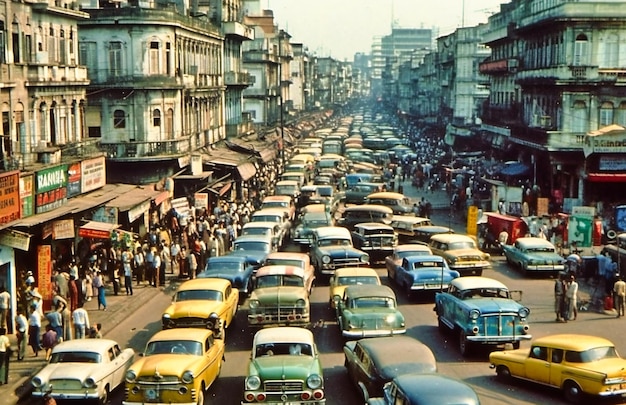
{"type": "Point", "coordinates": [37, 382]}
{"type": "Point", "coordinates": [187, 377]}
{"type": "Point", "coordinates": [166, 316]}
{"type": "Point", "coordinates": [390, 319]}
{"type": "Point", "coordinates": [364, 258]}
{"type": "Point", "coordinates": [523, 312]}
{"type": "Point", "coordinates": [90, 382]}
{"type": "Point", "coordinates": [131, 376]}
{"type": "Point", "coordinates": [326, 259]}
{"type": "Point", "coordinates": [474, 314]}
{"type": "Point", "coordinates": [254, 303]}
{"type": "Point", "coordinates": [300, 303]}
{"type": "Point", "coordinates": [314, 381]}
{"type": "Point", "coordinates": [253, 382]}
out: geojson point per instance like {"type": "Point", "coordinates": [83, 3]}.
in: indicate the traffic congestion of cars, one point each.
{"type": "Point", "coordinates": [329, 220]}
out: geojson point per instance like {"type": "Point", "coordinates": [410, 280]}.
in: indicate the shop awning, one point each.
{"type": "Point", "coordinates": [232, 159]}
{"type": "Point", "coordinates": [246, 171]}
{"type": "Point", "coordinates": [607, 177]}
{"type": "Point", "coordinates": [97, 230]}
{"type": "Point", "coordinates": [515, 169]}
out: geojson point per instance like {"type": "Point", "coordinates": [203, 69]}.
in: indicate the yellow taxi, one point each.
{"type": "Point", "coordinates": [177, 367]}
{"type": "Point", "coordinates": [350, 276]}
{"type": "Point", "coordinates": [579, 365]}
{"type": "Point", "coordinates": [198, 302]}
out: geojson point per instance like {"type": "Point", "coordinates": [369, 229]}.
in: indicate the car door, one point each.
{"type": "Point", "coordinates": [232, 300]}
{"type": "Point", "coordinates": [119, 361]}
{"type": "Point", "coordinates": [537, 364]}
{"type": "Point", "coordinates": [213, 358]}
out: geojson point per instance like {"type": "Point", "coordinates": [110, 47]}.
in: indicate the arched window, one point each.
{"type": "Point", "coordinates": [169, 124]}
{"type": "Point", "coordinates": [156, 117]}
{"type": "Point", "coordinates": [606, 114]}
{"type": "Point", "coordinates": [119, 119]}
{"type": "Point", "coordinates": [580, 51]}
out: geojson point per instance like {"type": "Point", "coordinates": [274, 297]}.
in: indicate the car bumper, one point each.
{"type": "Point", "coordinates": [498, 339]}
{"type": "Point", "coordinates": [429, 287]}
{"type": "Point", "coordinates": [545, 267]}
{"type": "Point", "coordinates": [363, 333]}
{"type": "Point", "coordinates": [67, 396]}
{"type": "Point", "coordinates": [617, 391]}
{"type": "Point", "coordinates": [264, 320]}
{"type": "Point", "coordinates": [321, 401]}
{"type": "Point", "coordinates": [158, 403]}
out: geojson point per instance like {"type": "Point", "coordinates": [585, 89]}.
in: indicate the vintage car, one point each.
{"type": "Point", "coordinates": [311, 217]}
{"type": "Point", "coordinates": [280, 298]}
{"type": "Point", "coordinates": [424, 273]}
{"type": "Point", "coordinates": [358, 193]}
{"type": "Point", "coordinates": [301, 178]}
{"type": "Point", "coordinates": [373, 362]}
{"type": "Point", "coordinates": [178, 366]}
{"type": "Point", "coordinates": [319, 194]}
{"type": "Point", "coordinates": [233, 268]}
{"type": "Point", "coordinates": [263, 228]}
{"type": "Point", "coordinates": [83, 370]}
{"type": "Point", "coordinates": [376, 239]}
{"type": "Point", "coordinates": [282, 202]}
{"type": "Point", "coordinates": [347, 276]}
{"type": "Point", "coordinates": [580, 365]}
{"type": "Point", "coordinates": [332, 248]}
{"type": "Point", "coordinates": [276, 215]}
{"type": "Point", "coordinates": [534, 255]}
{"type": "Point", "coordinates": [289, 188]}
{"type": "Point", "coordinates": [426, 389]}
{"type": "Point", "coordinates": [197, 302]}
{"type": "Point", "coordinates": [423, 233]}
{"type": "Point", "coordinates": [284, 368]}
{"type": "Point", "coordinates": [358, 214]}
{"type": "Point", "coordinates": [400, 252]}
{"type": "Point", "coordinates": [407, 227]}
{"type": "Point", "coordinates": [399, 203]}
{"type": "Point", "coordinates": [254, 248]}
{"type": "Point", "coordinates": [301, 260]}
{"type": "Point", "coordinates": [369, 310]}
{"type": "Point", "coordinates": [481, 311]}
{"type": "Point", "coordinates": [461, 253]}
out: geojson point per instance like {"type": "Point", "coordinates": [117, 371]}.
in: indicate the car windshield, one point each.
{"type": "Point", "coordinates": [275, 204]}
{"type": "Point", "coordinates": [252, 246]}
{"type": "Point", "coordinates": [276, 349]}
{"type": "Point", "coordinates": [407, 253]}
{"type": "Point", "coordinates": [286, 190]}
{"type": "Point", "coordinates": [486, 293]}
{"type": "Point", "coordinates": [349, 280]}
{"type": "Point", "coordinates": [334, 242]}
{"type": "Point", "coordinates": [315, 223]}
{"type": "Point", "coordinates": [174, 346]}
{"type": "Point", "coordinates": [427, 265]}
{"type": "Point", "coordinates": [224, 266]}
{"type": "Point", "coordinates": [266, 218]}
{"type": "Point", "coordinates": [284, 262]}
{"type": "Point", "coordinates": [190, 295]}
{"type": "Point", "coordinates": [591, 355]}
{"type": "Point", "coordinates": [75, 357]}
{"type": "Point", "coordinates": [278, 280]}
{"type": "Point", "coordinates": [462, 245]}
{"type": "Point", "coordinates": [373, 302]}
{"type": "Point", "coordinates": [256, 231]}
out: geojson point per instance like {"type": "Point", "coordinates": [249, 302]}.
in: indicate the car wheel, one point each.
{"type": "Point", "coordinates": [516, 345]}
{"type": "Point", "coordinates": [479, 272]}
{"type": "Point", "coordinates": [104, 399]}
{"type": "Point", "coordinates": [503, 373]}
{"type": "Point", "coordinates": [464, 344]}
{"type": "Point", "coordinates": [201, 396]}
{"type": "Point", "coordinates": [364, 393]}
{"type": "Point", "coordinates": [442, 326]}
{"type": "Point", "coordinates": [573, 393]}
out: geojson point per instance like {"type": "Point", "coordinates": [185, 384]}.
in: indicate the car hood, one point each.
{"type": "Point", "coordinates": [426, 275]}
{"type": "Point", "coordinates": [165, 364]}
{"type": "Point", "coordinates": [272, 295]}
{"type": "Point", "coordinates": [285, 367]}
{"type": "Point", "coordinates": [340, 252]}
{"type": "Point", "coordinates": [228, 275]}
{"type": "Point", "coordinates": [552, 257]}
{"type": "Point", "coordinates": [78, 371]}
{"type": "Point", "coordinates": [493, 305]}
{"type": "Point", "coordinates": [464, 253]}
{"type": "Point", "coordinates": [194, 308]}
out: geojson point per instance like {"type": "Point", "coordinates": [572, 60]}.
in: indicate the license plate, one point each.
{"type": "Point", "coordinates": [151, 394]}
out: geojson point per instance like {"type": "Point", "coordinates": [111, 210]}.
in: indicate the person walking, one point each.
{"type": "Point", "coordinates": [5, 300]}
{"type": "Point", "coordinates": [559, 294]}
{"type": "Point", "coordinates": [619, 290]}
{"type": "Point", "coordinates": [127, 258]}
{"type": "Point", "coordinates": [156, 268]}
{"type": "Point", "coordinates": [49, 340]}
{"type": "Point", "coordinates": [571, 295]}
{"type": "Point", "coordinates": [5, 354]}
{"type": "Point", "coordinates": [98, 283]}
{"type": "Point", "coordinates": [193, 264]}
{"type": "Point", "coordinates": [21, 327]}
{"type": "Point", "coordinates": [34, 329]}
{"type": "Point", "coordinates": [140, 268]}
{"type": "Point", "coordinates": [80, 317]}
{"type": "Point", "coordinates": [55, 320]}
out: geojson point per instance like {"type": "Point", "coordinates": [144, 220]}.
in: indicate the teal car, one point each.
{"type": "Point", "coordinates": [284, 368]}
{"type": "Point", "coordinates": [369, 310]}
{"type": "Point", "coordinates": [534, 255]}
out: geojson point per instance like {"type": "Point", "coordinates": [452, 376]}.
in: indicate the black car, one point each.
{"type": "Point", "coordinates": [426, 389]}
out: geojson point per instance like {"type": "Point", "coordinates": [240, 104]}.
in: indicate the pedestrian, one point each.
{"type": "Point", "coordinates": [55, 320]}
{"type": "Point", "coordinates": [30, 279]}
{"type": "Point", "coordinates": [21, 328]}
{"type": "Point", "coordinates": [619, 289]}
{"type": "Point", "coordinates": [559, 293]}
{"type": "Point", "coordinates": [5, 354]}
{"type": "Point", "coordinates": [98, 283]}
{"type": "Point", "coordinates": [193, 264]}
{"type": "Point", "coordinates": [174, 256]}
{"type": "Point", "coordinates": [73, 289]}
{"type": "Point", "coordinates": [571, 295]}
{"type": "Point", "coordinates": [150, 264]}
{"type": "Point", "coordinates": [156, 268]}
{"type": "Point", "coordinates": [87, 285]}
{"type": "Point", "coordinates": [34, 329]}
{"type": "Point", "coordinates": [127, 258]}
{"type": "Point", "coordinates": [5, 300]}
{"type": "Point", "coordinates": [139, 265]}
{"type": "Point", "coordinates": [95, 332]}
{"type": "Point", "coordinates": [66, 315]}
{"type": "Point", "coordinates": [49, 340]}
{"type": "Point", "coordinates": [80, 317]}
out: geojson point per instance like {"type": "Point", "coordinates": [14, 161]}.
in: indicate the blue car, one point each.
{"type": "Point", "coordinates": [235, 268]}
{"type": "Point", "coordinates": [424, 273]}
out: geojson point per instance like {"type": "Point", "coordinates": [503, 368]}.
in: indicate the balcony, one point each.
{"type": "Point", "coordinates": [149, 150]}
{"type": "Point", "coordinates": [238, 78]}
{"type": "Point", "coordinates": [238, 30]}
{"type": "Point", "coordinates": [44, 75]}
{"type": "Point", "coordinates": [499, 66]}
{"type": "Point", "coordinates": [81, 149]}
{"type": "Point", "coordinates": [561, 74]}
{"type": "Point", "coordinates": [553, 141]}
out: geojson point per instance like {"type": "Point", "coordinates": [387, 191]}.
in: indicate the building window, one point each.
{"type": "Point", "coordinates": [2, 39]}
{"type": "Point", "coordinates": [119, 119]}
{"type": "Point", "coordinates": [580, 51]}
{"type": "Point", "coordinates": [620, 114]}
{"type": "Point", "coordinates": [579, 117]}
{"type": "Point", "coordinates": [115, 58]}
{"type": "Point", "coordinates": [87, 54]}
{"type": "Point", "coordinates": [606, 114]}
{"type": "Point", "coordinates": [156, 118]}
{"type": "Point", "coordinates": [154, 57]}
{"type": "Point", "coordinates": [611, 52]}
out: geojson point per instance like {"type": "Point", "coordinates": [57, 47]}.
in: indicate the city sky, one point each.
{"type": "Point", "coordinates": [340, 28]}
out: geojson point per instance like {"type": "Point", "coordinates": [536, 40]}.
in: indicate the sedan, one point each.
{"type": "Point", "coordinates": [235, 269]}
{"type": "Point", "coordinates": [83, 370]}
{"type": "Point", "coordinates": [400, 252]}
{"type": "Point", "coordinates": [426, 389]}
{"type": "Point", "coordinates": [373, 362]}
{"type": "Point", "coordinates": [534, 255]}
{"type": "Point", "coordinates": [424, 273]}
{"type": "Point", "coordinates": [579, 365]}
{"type": "Point", "coordinates": [350, 276]}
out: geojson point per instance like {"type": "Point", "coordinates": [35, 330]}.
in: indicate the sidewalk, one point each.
{"type": "Point", "coordinates": [118, 308]}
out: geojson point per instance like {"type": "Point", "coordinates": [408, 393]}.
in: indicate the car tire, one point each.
{"type": "Point", "coordinates": [201, 396]}
{"type": "Point", "coordinates": [104, 399]}
{"type": "Point", "coordinates": [464, 344]}
{"type": "Point", "coordinates": [572, 392]}
{"type": "Point", "coordinates": [364, 393]}
{"type": "Point", "coordinates": [516, 345]}
{"type": "Point", "coordinates": [442, 326]}
{"type": "Point", "coordinates": [503, 373]}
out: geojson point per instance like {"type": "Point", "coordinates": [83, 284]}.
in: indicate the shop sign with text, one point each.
{"type": "Point", "coordinates": [10, 205]}
{"type": "Point", "coordinates": [73, 180]}
{"type": "Point", "coordinates": [93, 174]}
{"type": "Point", "coordinates": [51, 188]}
{"type": "Point", "coordinates": [26, 195]}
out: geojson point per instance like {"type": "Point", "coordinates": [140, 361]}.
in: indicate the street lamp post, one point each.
{"type": "Point", "coordinates": [280, 98]}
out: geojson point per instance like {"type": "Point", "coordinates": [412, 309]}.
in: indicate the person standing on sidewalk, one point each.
{"type": "Point", "coordinates": [140, 266]}
{"type": "Point", "coordinates": [81, 322]}
{"type": "Point", "coordinates": [34, 329]}
{"type": "Point", "coordinates": [571, 296]}
{"type": "Point", "coordinates": [156, 268]}
{"type": "Point", "coordinates": [21, 327]}
{"type": "Point", "coordinates": [98, 283]}
{"type": "Point", "coordinates": [559, 294]}
{"type": "Point", "coordinates": [127, 257]}
{"type": "Point", "coordinates": [5, 300]}
{"type": "Point", "coordinates": [619, 289]}
{"type": "Point", "coordinates": [5, 354]}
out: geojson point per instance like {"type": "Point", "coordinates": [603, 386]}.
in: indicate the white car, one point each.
{"type": "Point", "coordinates": [83, 370]}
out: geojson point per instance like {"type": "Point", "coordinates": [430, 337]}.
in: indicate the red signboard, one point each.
{"type": "Point", "coordinates": [10, 204]}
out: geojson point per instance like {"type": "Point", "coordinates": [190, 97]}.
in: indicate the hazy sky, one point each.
{"type": "Point", "coordinates": [340, 28]}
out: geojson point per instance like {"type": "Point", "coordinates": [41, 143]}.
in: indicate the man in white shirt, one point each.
{"type": "Point", "coordinates": [5, 300]}
{"type": "Point", "coordinates": [80, 317]}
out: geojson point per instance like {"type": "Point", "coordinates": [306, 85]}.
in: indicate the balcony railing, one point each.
{"type": "Point", "coordinates": [45, 74]}
{"type": "Point", "coordinates": [85, 148]}
{"type": "Point", "coordinates": [233, 78]}
{"type": "Point", "coordinates": [144, 149]}
{"type": "Point", "coordinates": [235, 28]}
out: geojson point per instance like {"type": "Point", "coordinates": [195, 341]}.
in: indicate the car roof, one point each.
{"type": "Point", "coordinates": [283, 334]}
{"type": "Point", "coordinates": [75, 345]}
{"type": "Point", "coordinates": [435, 389]}
{"type": "Point", "coordinates": [471, 282]}
{"type": "Point", "coordinates": [273, 270]}
{"type": "Point", "coordinates": [369, 290]}
{"type": "Point", "coordinates": [410, 247]}
{"type": "Point", "coordinates": [331, 231]}
{"type": "Point", "coordinates": [201, 283]}
{"type": "Point", "coordinates": [571, 341]}
{"type": "Point", "coordinates": [285, 198]}
{"type": "Point", "coordinates": [387, 194]}
{"type": "Point", "coordinates": [269, 211]}
{"type": "Point", "coordinates": [355, 272]}
{"type": "Point", "coordinates": [373, 225]}
{"type": "Point", "coordinates": [287, 183]}
{"type": "Point", "coordinates": [253, 238]}
{"type": "Point", "coordinates": [287, 255]}
{"type": "Point", "coordinates": [197, 334]}
{"type": "Point", "coordinates": [260, 224]}
{"type": "Point", "coordinates": [396, 349]}
{"type": "Point", "coordinates": [425, 258]}
{"type": "Point", "coordinates": [450, 237]}
{"type": "Point", "coordinates": [409, 218]}
{"type": "Point", "coordinates": [227, 259]}
{"type": "Point", "coordinates": [369, 207]}
{"type": "Point", "coordinates": [533, 241]}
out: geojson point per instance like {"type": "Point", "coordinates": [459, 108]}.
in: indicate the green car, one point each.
{"type": "Point", "coordinates": [369, 310]}
{"type": "Point", "coordinates": [284, 368]}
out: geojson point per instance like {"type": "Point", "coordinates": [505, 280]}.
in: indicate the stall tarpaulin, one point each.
{"type": "Point", "coordinates": [97, 230]}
